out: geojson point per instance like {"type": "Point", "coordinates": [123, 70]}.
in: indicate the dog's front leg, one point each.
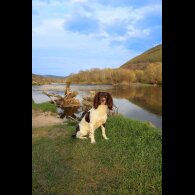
{"type": "Point", "coordinates": [91, 133]}
{"type": "Point", "coordinates": [104, 131]}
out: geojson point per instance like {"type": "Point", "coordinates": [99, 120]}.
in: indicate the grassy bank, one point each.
{"type": "Point", "coordinates": [46, 106]}
{"type": "Point", "coordinates": [128, 163]}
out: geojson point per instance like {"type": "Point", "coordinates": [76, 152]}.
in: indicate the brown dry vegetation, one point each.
{"type": "Point", "coordinates": [152, 74]}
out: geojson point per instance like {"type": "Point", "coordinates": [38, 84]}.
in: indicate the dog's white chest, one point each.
{"type": "Point", "coordinates": [100, 121]}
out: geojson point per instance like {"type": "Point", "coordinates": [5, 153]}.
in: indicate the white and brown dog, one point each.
{"type": "Point", "coordinates": [96, 117]}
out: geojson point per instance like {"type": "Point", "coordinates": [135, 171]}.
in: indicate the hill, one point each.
{"type": "Point", "coordinates": [54, 76]}
{"type": "Point", "coordinates": [44, 79]}
{"type": "Point", "coordinates": [141, 61]}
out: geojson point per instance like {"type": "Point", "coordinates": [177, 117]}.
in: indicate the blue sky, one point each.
{"type": "Point", "coordinates": [73, 35]}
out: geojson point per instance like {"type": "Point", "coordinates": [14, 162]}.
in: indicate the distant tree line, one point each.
{"type": "Point", "coordinates": [152, 74]}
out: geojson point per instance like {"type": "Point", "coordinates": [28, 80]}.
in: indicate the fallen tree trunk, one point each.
{"type": "Point", "coordinates": [63, 102]}
{"type": "Point", "coordinates": [90, 99]}
{"type": "Point", "coordinates": [52, 94]}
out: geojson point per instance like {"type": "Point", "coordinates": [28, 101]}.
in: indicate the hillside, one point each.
{"type": "Point", "coordinates": [54, 76]}
{"type": "Point", "coordinates": [40, 79]}
{"type": "Point", "coordinates": [141, 61]}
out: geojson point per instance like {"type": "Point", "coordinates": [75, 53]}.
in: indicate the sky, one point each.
{"type": "Point", "coordinates": [73, 35]}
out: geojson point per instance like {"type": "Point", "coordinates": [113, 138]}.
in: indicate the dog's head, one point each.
{"type": "Point", "coordinates": [103, 98]}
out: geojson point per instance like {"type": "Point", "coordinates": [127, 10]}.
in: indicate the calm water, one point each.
{"type": "Point", "coordinates": [138, 102]}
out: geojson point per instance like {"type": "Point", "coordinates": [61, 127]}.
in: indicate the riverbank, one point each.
{"type": "Point", "coordinates": [130, 162]}
{"type": "Point", "coordinates": [43, 119]}
{"type": "Point", "coordinates": [114, 84]}
{"type": "Point", "coordinates": [44, 114]}
{"type": "Point", "coordinates": [135, 84]}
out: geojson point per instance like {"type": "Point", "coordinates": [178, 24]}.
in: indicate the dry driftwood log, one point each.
{"type": "Point", "coordinates": [62, 102]}
{"type": "Point", "coordinates": [67, 101]}
{"type": "Point", "coordinates": [88, 100]}
{"type": "Point", "coordinates": [72, 94]}
{"type": "Point", "coordinates": [71, 102]}
{"type": "Point", "coordinates": [69, 112]}
{"type": "Point", "coordinates": [87, 103]}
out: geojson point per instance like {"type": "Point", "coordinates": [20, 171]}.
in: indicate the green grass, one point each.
{"type": "Point", "coordinates": [46, 106]}
{"type": "Point", "coordinates": [128, 163]}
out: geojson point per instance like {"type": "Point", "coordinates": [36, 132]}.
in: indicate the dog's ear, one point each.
{"type": "Point", "coordinates": [96, 100]}
{"type": "Point", "coordinates": [110, 101]}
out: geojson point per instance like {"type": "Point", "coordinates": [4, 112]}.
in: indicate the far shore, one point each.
{"type": "Point", "coordinates": [115, 84]}
{"type": "Point", "coordinates": [135, 84]}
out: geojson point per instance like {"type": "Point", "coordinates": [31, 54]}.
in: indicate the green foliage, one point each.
{"type": "Point", "coordinates": [130, 162]}
{"type": "Point", "coordinates": [46, 106]}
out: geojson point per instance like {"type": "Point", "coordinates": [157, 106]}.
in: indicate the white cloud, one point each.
{"type": "Point", "coordinates": [78, 1]}
{"type": "Point", "coordinates": [151, 9]}
{"type": "Point", "coordinates": [135, 32]}
{"type": "Point", "coordinates": [53, 44]}
{"type": "Point", "coordinates": [49, 27]}
{"type": "Point", "coordinates": [39, 4]}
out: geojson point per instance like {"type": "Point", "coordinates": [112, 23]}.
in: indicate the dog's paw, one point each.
{"type": "Point", "coordinates": [93, 142]}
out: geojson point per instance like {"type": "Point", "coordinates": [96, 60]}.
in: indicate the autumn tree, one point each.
{"type": "Point", "coordinates": [132, 76]}
{"type": "Point", "coordinates": [139, 75]}
{"type": "Point", "coordinates": [153, 73]}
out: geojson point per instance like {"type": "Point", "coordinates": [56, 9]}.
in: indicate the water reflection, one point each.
{"type": "Point", "coordinates": [139, 102]}
{"type": "Point", "coordinates": [146, 97]}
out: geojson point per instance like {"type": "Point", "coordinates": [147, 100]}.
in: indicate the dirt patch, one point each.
{"type": "Point", "coordinates": [41, 119]}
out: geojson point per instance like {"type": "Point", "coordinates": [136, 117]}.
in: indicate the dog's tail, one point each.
{"type": "Point", "coordinates": [77, 129]}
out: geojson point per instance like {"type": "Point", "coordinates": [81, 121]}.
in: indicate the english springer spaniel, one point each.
{"type": "Point", "coordinates": [96, 117]}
